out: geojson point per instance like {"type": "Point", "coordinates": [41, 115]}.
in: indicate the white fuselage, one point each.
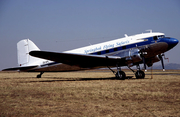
{"type": "Point", "coordinates": [114, 43]}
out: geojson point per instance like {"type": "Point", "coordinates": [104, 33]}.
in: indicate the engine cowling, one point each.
{"type": "Point", "coordinates": [152, 60]}
{"type": "Point", "coordinates": [132, 56]}
{"type": "Point", "coordinates": [135, 55]}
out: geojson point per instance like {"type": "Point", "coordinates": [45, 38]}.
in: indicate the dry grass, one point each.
{"type": "Point", "coordinates": [87, 94]}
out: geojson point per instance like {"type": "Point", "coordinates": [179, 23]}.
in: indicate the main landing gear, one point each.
{"type": "Point", "coordinates": [119, 74]}
{"type": "Point", "coordinates": [139, 73]}
{"type": "Point", "coordinates": [122, 76]}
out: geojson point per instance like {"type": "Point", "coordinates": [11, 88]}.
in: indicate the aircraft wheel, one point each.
{"type": "Point", "coordinates": [38, 76]}
{"type": "Point", "coordinates": [121, 75]}
{"type": "Point", "coordinates": [140, 74]}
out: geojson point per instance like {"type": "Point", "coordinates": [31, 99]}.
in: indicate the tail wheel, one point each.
{"type": "Point", "coordinates": [121, 75]}
{"type": "Point", "coordinates": [140, 74]}
{"type": "Point", "coordinates": [39, 75]}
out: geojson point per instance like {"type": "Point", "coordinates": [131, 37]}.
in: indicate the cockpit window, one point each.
{"type": "Point", "coordinates": [155, 38]}
{"type": "Point", "coordinates": [158, 37]}
{"type": "Point", "coordinates": [161, 36]}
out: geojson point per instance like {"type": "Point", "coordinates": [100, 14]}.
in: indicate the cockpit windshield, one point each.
{"type": "Point", "coordinates": [161, 36]}
{"type": "Point", "coordinates": [158, 37]}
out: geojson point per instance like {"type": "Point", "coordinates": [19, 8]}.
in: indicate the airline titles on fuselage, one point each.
{"type": "Point", "coordinates": [108, 46]}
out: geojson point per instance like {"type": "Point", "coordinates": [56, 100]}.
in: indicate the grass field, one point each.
{"type": "Point", "coordinates": [90, 93]}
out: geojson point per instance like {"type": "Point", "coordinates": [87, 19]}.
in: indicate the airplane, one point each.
{"type": "Point", "coordinates": [146, 48]}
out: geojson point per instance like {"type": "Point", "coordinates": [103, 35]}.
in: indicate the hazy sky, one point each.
{"type": "Point", "coordinates": [59, 25]}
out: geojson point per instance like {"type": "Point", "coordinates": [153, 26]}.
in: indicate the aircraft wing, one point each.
{"type": "Point", "coordinates": [81, 60]}
{"type": "Point", "coordinates": [25, 68]}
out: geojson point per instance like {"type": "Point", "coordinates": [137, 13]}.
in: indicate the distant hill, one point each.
{"type": "Point", "coordinates": [167, 66]}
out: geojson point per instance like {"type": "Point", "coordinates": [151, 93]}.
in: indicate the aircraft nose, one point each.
{"type": "Point", "coordinates": [172, 42]}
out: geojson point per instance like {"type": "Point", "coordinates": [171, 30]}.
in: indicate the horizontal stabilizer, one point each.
{"type": "Point", "coordinates": [25, 68]}
{"type": "Point", "coordinates": [81, 60]}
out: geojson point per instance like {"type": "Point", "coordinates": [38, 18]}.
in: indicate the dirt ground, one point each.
{"type": "Point", "coordinates": [90, 93]}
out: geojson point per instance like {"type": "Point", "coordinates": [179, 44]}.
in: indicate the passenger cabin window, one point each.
{"type": "Point", "coordinates": [124, 47]}
{"type": "Point", "coordinates": [115, 49]}
{"type": "Point", "coordinates": [107, 51]}
{"type": "Point", "coordinates": [99, 53]}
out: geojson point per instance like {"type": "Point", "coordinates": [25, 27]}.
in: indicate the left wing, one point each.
{"type": "Point", "coordinates": [81, 60]}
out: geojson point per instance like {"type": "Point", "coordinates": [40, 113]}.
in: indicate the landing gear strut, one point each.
{"type": "Point", "coordinates": [119, 74]}
{"type": "Point", "coordinates": [139, 73]}
{"type": "Point", "coordinates": [39, 75]}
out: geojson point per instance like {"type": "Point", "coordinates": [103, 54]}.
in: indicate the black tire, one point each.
{"type": "Point", "coordinates": [38, 76]}
{"type": "Point", "coordinates": [121, 75]}
{"type": "Point", "coordinates": [140, 74]}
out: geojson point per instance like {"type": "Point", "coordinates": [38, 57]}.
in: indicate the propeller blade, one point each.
{"type": "Point", "coordinates": [162, 62]}
{"type": "Point", "coordinates": [144, 63]}
{"type": "Point", "coordinates": [143, 58]}
{"type": "Point", "coordinates": [151, 72]}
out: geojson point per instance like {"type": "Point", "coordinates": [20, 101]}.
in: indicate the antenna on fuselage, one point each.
{"type": "Point", "coordinates": [150, 31]}
{"type": "Point", "coordinates": [125, 35]}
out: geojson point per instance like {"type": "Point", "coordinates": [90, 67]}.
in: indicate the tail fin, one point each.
{"type": "Point", "coordinates": [23, 49]}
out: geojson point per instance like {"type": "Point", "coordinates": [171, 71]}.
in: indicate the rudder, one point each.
{"type": "Point", "coordinates": [23, 49]}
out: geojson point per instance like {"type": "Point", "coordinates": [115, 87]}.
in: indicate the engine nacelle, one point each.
{"type": "Point", "coordinates": [150, 61]}
{"type": "Point", "coordinates": [132, 56]}
{"type": "Point", "coordinates": [135, 55]}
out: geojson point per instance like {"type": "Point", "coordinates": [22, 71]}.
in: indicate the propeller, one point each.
{"type": "Point", "coordinates": [151, 72]}
{"type": "Point", "coordinates": [143, 58]}
{"type": "Point", "coordinates": [162, 62]}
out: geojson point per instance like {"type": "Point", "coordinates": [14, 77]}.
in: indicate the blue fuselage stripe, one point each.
{"type": "Point", "coordinates": [148, 41]}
